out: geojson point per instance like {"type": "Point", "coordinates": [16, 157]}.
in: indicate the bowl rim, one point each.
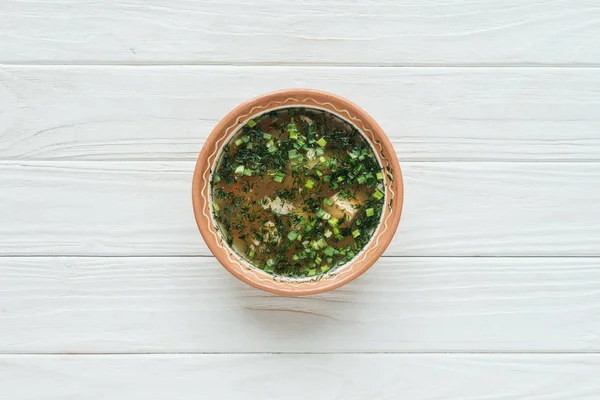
{"type": "Point", "coordinates": [298, 98]}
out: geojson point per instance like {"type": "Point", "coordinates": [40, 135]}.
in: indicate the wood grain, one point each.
{"type": "Point", "coordinates": [166, 113]}
{"type": "Point", "coordinates": [337, 32]}
{"type": "Point", "coordinates": [276, 376]}
{"type": "Point", "coordinates": [191, 304]}
{"type": "Point", "coordinates": [450, 209]}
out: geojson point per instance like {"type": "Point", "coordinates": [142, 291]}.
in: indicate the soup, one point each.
{"type": "Point", "coordinates": [297, 192]}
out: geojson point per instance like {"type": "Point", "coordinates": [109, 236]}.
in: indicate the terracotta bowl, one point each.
{"type": "Point", "coordinates": [291, 98]}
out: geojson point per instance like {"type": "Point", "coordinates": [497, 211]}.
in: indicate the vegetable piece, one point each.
{"type": "Point", "coordinates": [279, 177]}
{"type": "Point", "coordinates": [329, 251]}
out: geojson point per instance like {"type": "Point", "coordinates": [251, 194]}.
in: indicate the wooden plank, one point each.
{"type": "Point", "coordinates": [301, 376]}
{"type": "Point", "coordinates": [191, 304]}
{"type": "Point", "coordinates": [451, 209]}
{"type": "Point", "coordinates": [158, 113]}
{"type": "Point", "coordinates": [336, 32]}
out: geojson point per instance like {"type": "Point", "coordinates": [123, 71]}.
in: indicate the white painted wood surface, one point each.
{"type": "Point", "coordinates": [493, 108]}
{"type": "Point", "coordinates": [430, 114]}
{"type": "Point", "coordinates": [451, 209]}
{"type": "Point", "coordinates": [300, 376]}
{"type": "Point", "coordinates": [338, 32]}
{"type": "Point", "coordinates": [191, 304]}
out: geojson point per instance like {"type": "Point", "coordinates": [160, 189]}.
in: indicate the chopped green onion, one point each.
{"type": "Point", "coordinates": [328, 233]}
{"type": "Point", "coordinates": [292, 235]}
{"type": "Point", "coordinates": [322, 142]}
{"type": "Point", "coordinates": [239, 170]}
{"type": "Point", "coordinates": [333, 221]}
{"type": "Point", "coordinates": [309, 184]}
{"type": "Point", "coordinates": [329, 251]}
{"type": "Point", "coordinates": [245, 139]}
{"type": "Point", "coordinates": [267, 136]}
{"type": "Point", "coordinates": [326, 216]}
{"type": "Point", "coordinates": [328, 202]}
{"type": "Point", "coordinates": [270, 265]}
{"type": "Point", "coordinates": [239, 142]}
{"type": "Point", "coordinates": [321, 243]}
{"type": "Point", "coordinates": [361, 179]}
{"type": "Point", "coordinates": [293, 131]}
{"type": "Point", "coordinates": [279, 177]}
{"type": "Point", "coordinates": [370, 212]}
{"type": "Point", "coordinates": [251, 253]}
{"type": "Point", "coordinates": [378, 195]}
{"type": "Point", "coordinates": [252, 123]}
{"type": "Point", "coordinates": [320, 212]}
{"type": "Point", "coordinates": [248, 172]}
{"type": "Point", "coordinates": [355, 233]}
{"type": "Point", "coordinates": [312, 272]}
{"type": "Point", "coordinates": [249, 145]}
{"type": "Point", "coordinates": [292, 154]}
{"type": "Point", "coordinates": [379, 176]}
{"type": "Point", "coordinates": [324, 268]}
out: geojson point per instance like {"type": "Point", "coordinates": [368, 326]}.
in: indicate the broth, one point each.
{"type": "Point", "coordinates": [297, 192]}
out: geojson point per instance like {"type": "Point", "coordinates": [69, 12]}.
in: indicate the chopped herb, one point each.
{"type": "Point", "coordinates": [378, 195]}
{"type": "Point", "coordinates": [279, 177]}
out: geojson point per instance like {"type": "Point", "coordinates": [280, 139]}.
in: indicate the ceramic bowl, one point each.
{"type": "Point", "coordinates": [297, 98]}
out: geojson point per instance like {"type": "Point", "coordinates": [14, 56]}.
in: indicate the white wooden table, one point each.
{"type": "Point", "coordinates": [490, 290]}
